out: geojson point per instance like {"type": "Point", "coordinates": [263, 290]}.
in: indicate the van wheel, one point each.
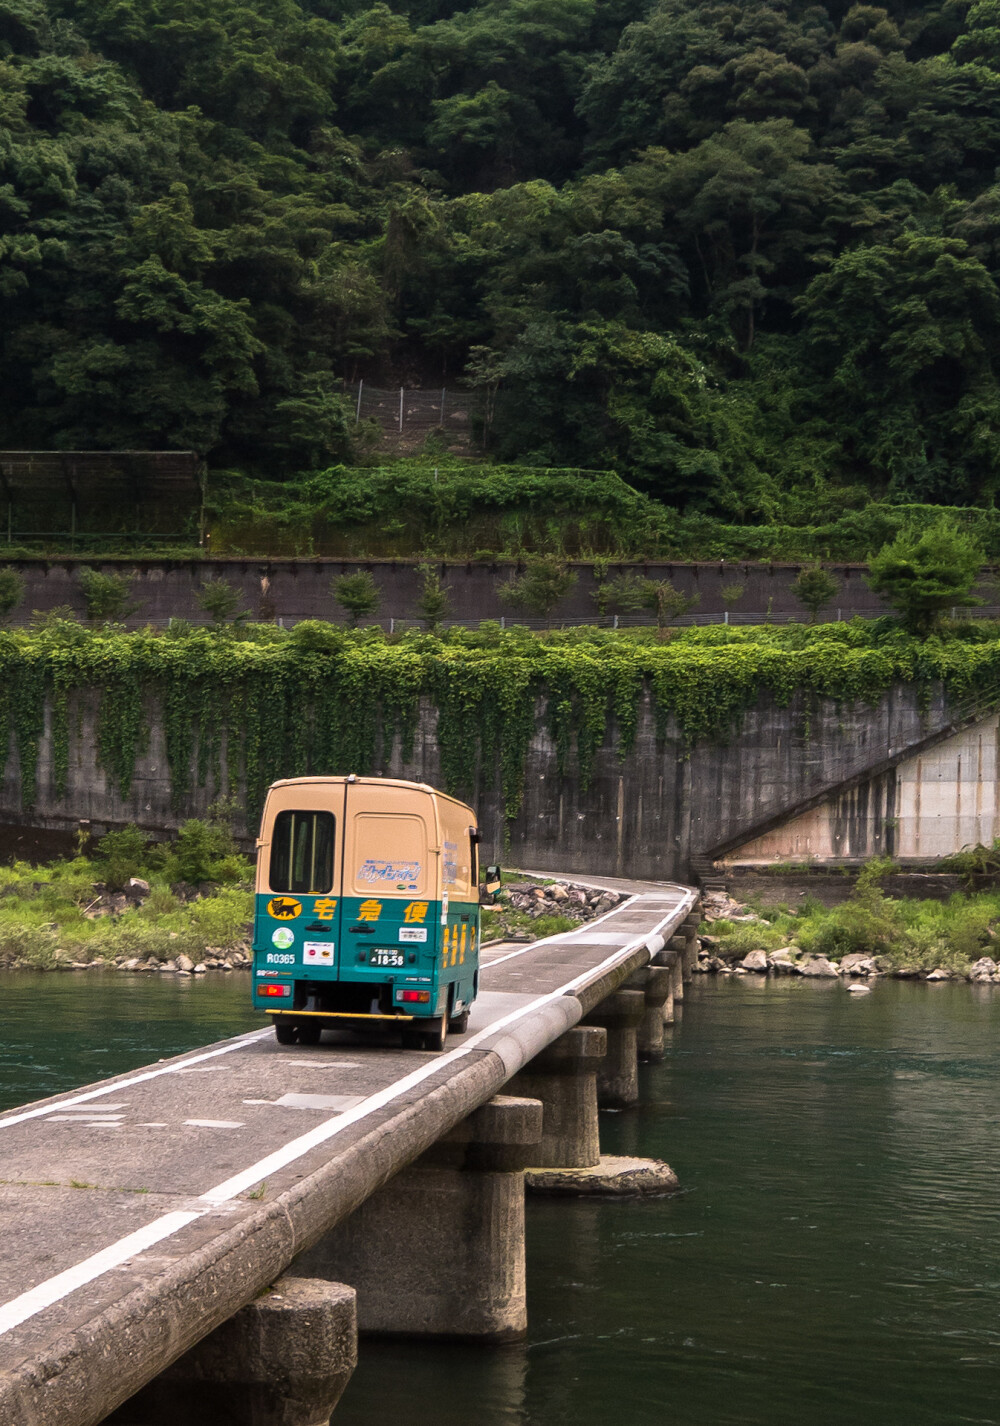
{"type": "Point", "coordinates": [459, 1024]}
{"type": "Point", "coordinates": [284, 1032]}
{"type": "Point", "coordinates": [413, 1040]}
{"type": "Point", "coordinates": [435, 1037]}
{"type": "Point", "coordinates": [309, 1032]}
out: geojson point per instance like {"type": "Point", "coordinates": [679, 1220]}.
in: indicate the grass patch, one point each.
{"type": "Point", "coordinates": [902, 933]}
{"type": "Point", "coordinates": [46, 912]}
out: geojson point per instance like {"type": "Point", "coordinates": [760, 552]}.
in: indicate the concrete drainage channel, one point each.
{"type": "Point", "coordinates": [331, 1191]}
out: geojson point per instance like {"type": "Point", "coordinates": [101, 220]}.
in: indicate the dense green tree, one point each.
{"type": "Point", "coordinates": [814, 587]}
{"type": "Point", "coordinates": [744, 255]}
{"type": "Point", "coordinates": [357, 595]}
{"type": "Point", "coordinates": [903, 333]}
{"type": "Point", "coordinates": [923, 576]}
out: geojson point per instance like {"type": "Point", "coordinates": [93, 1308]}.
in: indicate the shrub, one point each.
{"type": "Point", "coordinates": [21, 941]}
{"type": "Point", "coordinates": [921, 576]}
{"type": "Point", "coordinates": [667, 602]}
{"type": "Point", "coordinates": [628, 592]}
{"type": "Point", "coordinates": [870, 930]}
{"type": "Point", "coordinates": [317, 636]}
{"type": "Point", "coordinates": [741, 939]}
{"type": "Point", "coordinates": [59, 626]}
{"type": "Point", "coordinates": [11, 590]}
{"type": "Point", "coordinates": [122, 855]}
{"type": "Point", "coordinates": [204, 851]}
{"type": "Point", "coordinates": [732, 594]}
{"type": "Point", "coordinates": [624, 593]}
{"type": "Point", "coordinates": [433, 604]}
{"type": "Point", "coordinates": [220, 600]}
{"type": "Point", "coordinates": [814, 587]}
{"type": "Point", "coordinates": [974, 861]}
{"type": "Point", "coordinates": [357, 594]}
{"type": "Point", "coordinates": [106, 596]}
{"type": "Point", "coordinates": [545, 581]}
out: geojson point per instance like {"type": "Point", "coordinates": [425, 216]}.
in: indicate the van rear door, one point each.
{"type": "Point", "coordinates": [390, 907]}
{"type": "Point", "coordinates": [298, 902]}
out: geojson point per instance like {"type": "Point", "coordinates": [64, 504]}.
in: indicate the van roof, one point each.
{"type": "Point", "coordinates": [375, 782]}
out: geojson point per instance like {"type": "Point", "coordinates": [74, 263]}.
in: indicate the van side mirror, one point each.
{"type": "Point", "coordinates": [493, 880]}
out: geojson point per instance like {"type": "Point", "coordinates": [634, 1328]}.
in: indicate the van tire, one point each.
{"type": "Point", "coordinates": [435, 1037]}
{"type": "Point", "coordinates": [458, 1024]}
{"type": "Point", "coordinates": [309, 1033]}
{"type": "Point", "coordinates": [284, 1032]}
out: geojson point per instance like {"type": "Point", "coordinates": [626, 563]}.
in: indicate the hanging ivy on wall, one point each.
{"type": "Point", "coordinates": [237, 712]}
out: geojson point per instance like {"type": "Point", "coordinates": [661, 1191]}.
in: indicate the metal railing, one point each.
{"type": "Point", "coordinates": [397, 623]}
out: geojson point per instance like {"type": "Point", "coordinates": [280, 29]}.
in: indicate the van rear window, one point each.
{"type": "Point", "coordinates": [302, 852]}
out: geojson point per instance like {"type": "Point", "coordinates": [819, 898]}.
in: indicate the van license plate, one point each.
{"type": "Point", "coordinates": [386, 956]}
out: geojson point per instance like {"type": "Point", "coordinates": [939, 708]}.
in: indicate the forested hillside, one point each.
{"type": "Point", "coordinates": [747, 255]}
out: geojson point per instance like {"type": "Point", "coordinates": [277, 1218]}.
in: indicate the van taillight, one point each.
{"type": "Point", "coordinates": [420, 996]}
{"type": "Point", "coordinates": [274, 990]}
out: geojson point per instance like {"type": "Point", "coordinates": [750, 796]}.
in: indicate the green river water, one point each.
{"type": "Point", "coordinates": [834, 1257]}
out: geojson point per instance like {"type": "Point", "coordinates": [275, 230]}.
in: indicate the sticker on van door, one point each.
{"type": "Point", "coordinates": [318, 953]}
{"type": "Point", "coordinates": [284, 908]}
{"type": "Point", "coordinates": [404, 876]}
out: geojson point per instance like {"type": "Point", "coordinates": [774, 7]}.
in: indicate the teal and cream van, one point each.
{"type": "Point", "coordinates": [367, 909]}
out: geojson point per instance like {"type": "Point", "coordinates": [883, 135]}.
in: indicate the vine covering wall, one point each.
{"type": "Point", "coordinates": [240, 710]}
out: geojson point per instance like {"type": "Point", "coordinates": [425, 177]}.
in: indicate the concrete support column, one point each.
{"type": "Point", "coordinates": [439, 1250]}
{"type": "Point", "coordinates": [679, 944]}
{"type": "Point", "coordinates": [283, 1360]}
{"type": "Point", "coordinates": [655, 982]}
{"type": "Point", "coordinates": [689, 930]}
{"type": "Point", "coordinates": [564, 1078]}
{"type": "Point", "coordinates": [665, 960]}
{"type": "Point", "coordinates": [618, 1077]}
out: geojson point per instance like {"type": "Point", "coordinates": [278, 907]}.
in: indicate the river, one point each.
{"type": "Point", "coordinates": [834, 1257]}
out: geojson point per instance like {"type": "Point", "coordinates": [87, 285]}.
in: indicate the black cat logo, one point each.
{"type": "Point", "coordinates": [284, 908]}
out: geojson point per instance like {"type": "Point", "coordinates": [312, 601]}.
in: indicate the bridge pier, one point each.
{"type": "Point", "coordinates": [564, 1078]}
{"type": "Point", "coordinates": [664, 960]}
{"type": "Point", "coordinates": [283, 1360]}
{"type": "Point", "coordinates": [438, 1251]}
{"type": "Point", "coordinates": [621, 1015]}
{"type": "Point", "coordinates": [689, 930]}
{"type": "Point", "coordinates": [678, 944]}
{"type": "Point", "coordinates": [656, 984]}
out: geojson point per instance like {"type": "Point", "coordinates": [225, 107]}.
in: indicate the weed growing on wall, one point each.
{"type": "Point", "coordinates": [244, 708]}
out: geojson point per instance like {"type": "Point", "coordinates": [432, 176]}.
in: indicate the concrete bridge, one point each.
{"type": "Point", "coordinates": [221, 1225]}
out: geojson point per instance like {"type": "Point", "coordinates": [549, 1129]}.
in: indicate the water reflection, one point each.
{"type": "Point", "coordinates": [70, 1028]}
{"type": "Point", "coordinates": [834, 1259]}
{"type": "Point", "coordinates": [432, 1383]}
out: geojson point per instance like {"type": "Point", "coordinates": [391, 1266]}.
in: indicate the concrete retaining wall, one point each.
{"type": "Point", "coordinates": [935, 802]}
{"type": "Point", "coordinates": [646, 814]}
{"type": "Point", "coordinates": [292, 589]}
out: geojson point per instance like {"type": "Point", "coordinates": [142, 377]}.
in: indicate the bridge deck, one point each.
{"type": "Point", "coordinates": [137, 1214]}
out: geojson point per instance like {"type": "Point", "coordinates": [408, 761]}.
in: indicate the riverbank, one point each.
{"type": "Point", "coordinates": [129, 903]}
{"type": "Point", "coordinates": [868, 935]}
{"type": "Point", "coordinates": [186, 907]}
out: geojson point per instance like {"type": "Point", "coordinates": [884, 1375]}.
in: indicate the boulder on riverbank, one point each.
{"type": "Point", "coordinates": [818, 967]}
{"type": "Point", "coordinates": [755, 961]}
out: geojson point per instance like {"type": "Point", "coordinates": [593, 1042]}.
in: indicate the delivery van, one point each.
{"type": "Point", "coordinates": [367, 909]}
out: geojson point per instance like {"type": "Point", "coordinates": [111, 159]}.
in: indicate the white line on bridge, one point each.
{"type": "Point", "coordinates": [524, 949]}
{"type": "Point", "coordinates": [119, 1084]}
{"type": "Point", "coordinates": [238, 1043]}
{"type": "Point", "coordinates": [36, 1299]}
{"type": "Point", "coordinates": [56, 1288]}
